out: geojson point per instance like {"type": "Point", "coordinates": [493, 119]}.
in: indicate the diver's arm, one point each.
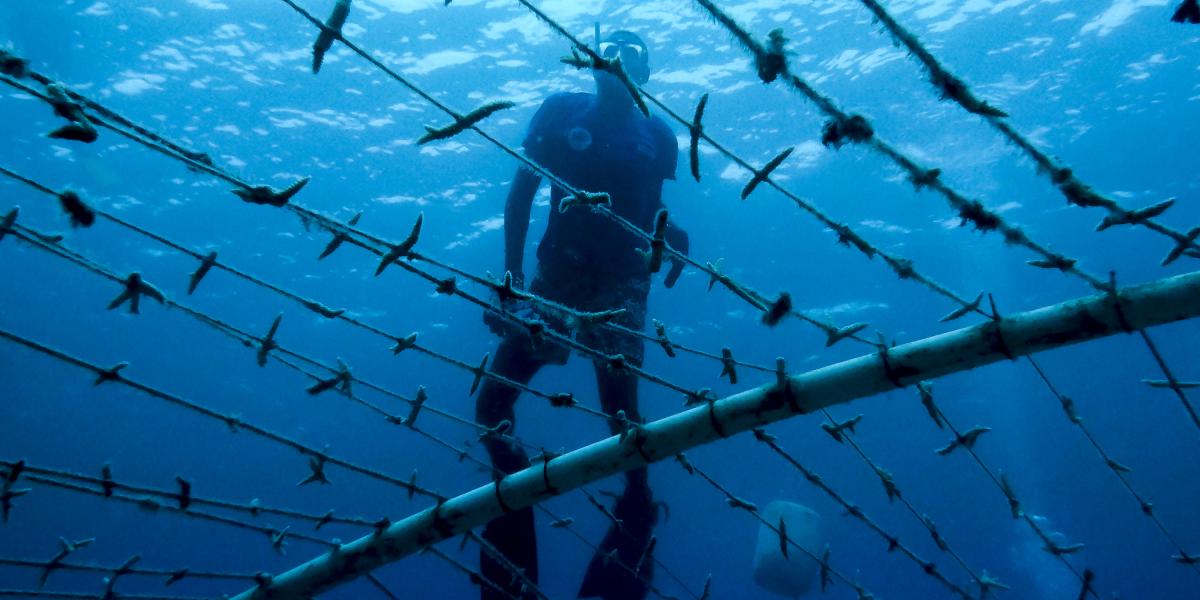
{"type": "Point", "coordinates": [677, 238]}
{"type": "Point", "coordinates": [517, 209]}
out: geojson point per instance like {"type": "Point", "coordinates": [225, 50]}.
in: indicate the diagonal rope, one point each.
{"type": "Point", "coordinates": [1074, 190]}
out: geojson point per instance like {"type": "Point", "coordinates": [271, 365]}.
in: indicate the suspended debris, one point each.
{"type": "Point", "coordinates": [780, 308]}
{"type": "Point", "coordinates": [771, 61]}
{"type": "Point", "coordinates": [80, 213]}
{"type": "Point", "coordinates": [843, 129]}
{"type": "Point", "coordinates": [13, 65]}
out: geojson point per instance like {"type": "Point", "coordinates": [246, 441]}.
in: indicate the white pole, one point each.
{"type": "Point", "coordinates": [1155, 303]}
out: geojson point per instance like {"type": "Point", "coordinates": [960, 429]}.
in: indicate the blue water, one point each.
{"type": "Point", "coordinates": [1110, 86]}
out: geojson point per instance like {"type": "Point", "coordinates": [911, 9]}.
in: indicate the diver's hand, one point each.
{"type": "Point", "coordinates": [501, 326]}
{"type": "Point", "coordinates": [673, 275]}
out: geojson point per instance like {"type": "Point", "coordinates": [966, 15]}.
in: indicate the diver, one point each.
{"type": "Point", "coordinates": [599, 143]}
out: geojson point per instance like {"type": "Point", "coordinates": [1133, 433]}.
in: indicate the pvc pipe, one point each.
{"type": "Point", "coordinates": [1156, 303]}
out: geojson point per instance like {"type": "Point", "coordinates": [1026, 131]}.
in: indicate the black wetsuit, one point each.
{"type": "Point", "coordinates": [587, 262]}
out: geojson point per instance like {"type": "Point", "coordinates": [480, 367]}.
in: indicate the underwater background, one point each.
{"type": "Point", "coordinates": [1110, 86]}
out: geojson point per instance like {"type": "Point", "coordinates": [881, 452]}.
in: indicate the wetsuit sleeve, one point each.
{"type": "Point", "coordinates": [538, 141]}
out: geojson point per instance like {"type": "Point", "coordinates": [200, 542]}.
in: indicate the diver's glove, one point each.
{"type": "Point", "coordinates": [673, 275]}
{"type": "Point", "coordinates": [523, 309]}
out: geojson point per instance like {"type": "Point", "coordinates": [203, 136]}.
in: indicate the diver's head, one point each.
{"type": "Point", "coordinates": [633, 52]}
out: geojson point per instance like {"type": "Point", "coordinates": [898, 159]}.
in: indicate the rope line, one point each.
{"type": "Point", "coordinates": [894, 543]}
{"type": "Point", "coordinates": [1074, 190]}
{"type": "Point", "coordinates": [843, 128]}
{"type": "Point", "coordinates": [1120, 471]}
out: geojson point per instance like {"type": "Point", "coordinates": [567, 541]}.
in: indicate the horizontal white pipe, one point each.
{"type": "Point", "coordinates": [1138, 307]}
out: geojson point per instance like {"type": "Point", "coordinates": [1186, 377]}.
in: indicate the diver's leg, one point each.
{"type": "Point", "coordinates": [512, 534]}
{"type": "Point", "coordinates": [635, 508]}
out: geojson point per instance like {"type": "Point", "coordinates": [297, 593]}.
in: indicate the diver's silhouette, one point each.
{"type": "Point", "coordinates": [598, 143]}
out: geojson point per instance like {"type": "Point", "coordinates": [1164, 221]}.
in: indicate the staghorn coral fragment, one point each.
{"type": "Point", "coordinates": [1054, 261]}
{"type": "Point", "coordinates": [834, 335]}
{"type": "Point", "coordinates": [925, 390]}
{"type": "Point", "coordinates": [761, 175]}
{"type": "Point", "coordinates": [175, 577]}
{"type": "Point", "coordinates": [265, 194]}
{"type": "Point", "coordinates": [696, 130]}
{"type": "Point", "coordinates": [330, 31]}
{"type": "Point", "coordinates": [6, 224]}
{"type": "Point", "coordinates": [963, 310]}
{"type": "Point", "coordinates": [1171, 385]}
{"type": "Point", "coordinates": [402, 249]}
{"type": "Point", "coordinates": [728, 366]}
{"type": "Point", "coordinates": [463, 122]}
{"type": "Point", "coordinates": [1188, 241]}
{"type": "Point", "coordinates": [1135, 217]}
{"type": "Point", "coordinates": [135, 288]}
{"type": "Point", "coordinates": [783, 538]}
{"type": "Point", "coordinates": [341, 380]}
{"type": "Point", "coordinates": [735, 502]}
{"type": "Point", "coordinates": [562, 523]}
{"type": "Point", "coordinates": [206, 265]}
{"type": "Point", "coordinates": [1014, 504]}
{"type": "Point", "coordinates": [889, 483]}
{"type": "Point", "coordinates": [339, 238]}
{"type": "Point", "coordinates": [268, 343]}
{"type": "Point", "coordinates": [835, 429]}
{"type": "Point", "coordinates": [479, 372]}
{"type": "Point", "coordinates": [316, 466]}
{"type": "Point", "coordinates": [582, 198]}
{"type": "Point", "coordinates": [1184, 558]}
{"type": "Point", "coordinates": [699, 396]}
{"type": "Point", "coordinates": [825, 569]}
{"type": "Point", "coordinates": [278, 544]}
{"type": "Point", "coordinates": [404, 343]}
{"type": "Point", "coordinates": [848, 237]}
{"type": "Point", "coordinates": [184, 497]}
{"type": "Point", "coordinates": [658, 243]}
{"type": "Point", "coordinates": [661, 332]}
{"type": "Point", "coordinates": [612, 67]}
{"type": "Point", "coordinates": [415, 410]}
{"type": "Point", "coordinates": [707, 593]}
{"type": "Point", "coordinates": [80, 213]}
{"type": "Point", "coordinates": [967, 440]}
{"type": "Point", "coordinates": [1062, 549]}
{"type": "Point", "coordinates": [112, 373]}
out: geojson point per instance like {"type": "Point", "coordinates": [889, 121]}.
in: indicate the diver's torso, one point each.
{"type": "Point", "coordinates": [621, 157]}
